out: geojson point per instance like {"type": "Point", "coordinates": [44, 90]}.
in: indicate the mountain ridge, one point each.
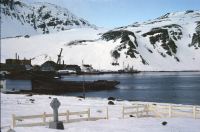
{"type": "Point", "coordinates": [167, 43]}
{"type": "Point", "coordinates": [37, 18]}
{"type": "Point", "coordinates": [165, 36]}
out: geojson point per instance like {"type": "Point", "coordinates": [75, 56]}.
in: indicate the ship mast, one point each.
{"type": "Point", "coordinates": [83, 82]}
{"type": "Point", "coordinates": [59, 57]}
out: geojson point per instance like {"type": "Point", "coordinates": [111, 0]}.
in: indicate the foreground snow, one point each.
{"type": "Point", "coordinates": [126, 125]}
{"type": "Point", "coordinates": [21, 105]}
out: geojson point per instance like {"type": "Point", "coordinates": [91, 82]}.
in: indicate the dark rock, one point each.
{"type": "Point", "coordinates": [29, 94]}
{"type": "Point", "coordinates": [111, 103]}
{"type": "Point", "coordinates": [127, 44]}
{"type": "Point", "coordinates": [32, 100]}
{"type": "Point", "coordinates": [27, 36]}
{"type": "Point", "coordinates": [131, 116]}
{"type": "Point", "coordinates": [164, 123]}
{"type": "Point", "coordinates": [115, 54]}
{"type": "Point", "coordinates": [189, 11]}
{"type": "Point", "coordinates": [49, 97]}
{"type": "Point", "coordinates": [167, 35]}
{"type": "Point", "coordinates": [195, 40]}
{"type": "Point", "coordinates": [111, 98]}
{"type": "Point", "coordinates": [80, 97]}
{"type": "Point", "coordinates": [99, 111]}
{"type": "Point", "coordinates": [150, 50]}
{"type": "Point", "coordinates": [19, 120]}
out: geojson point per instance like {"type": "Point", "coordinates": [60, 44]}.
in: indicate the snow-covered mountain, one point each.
{"type": "Point", "coordinates": [19, 18]}
{"type": "Point", "coordinates": [171, 41]}
{"type": "Point", "coordinates": [168, 43]}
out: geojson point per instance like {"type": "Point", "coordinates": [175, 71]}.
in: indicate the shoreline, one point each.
{"type": "Point", "coordinates": [30, 94]}
{"type": "Point", "coordinates": [27, 75]}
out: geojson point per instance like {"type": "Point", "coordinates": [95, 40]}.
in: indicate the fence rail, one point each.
{"type": "Point", "coordinates": [44, 117]}
{"type": "Point", "coordinates": [137, 110]}
{"type": "Point", "coordinates": [175, 110]}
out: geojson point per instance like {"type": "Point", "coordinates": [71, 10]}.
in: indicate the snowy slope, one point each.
{"type": "Point", "coordinates": [168, 43]}
{"type": "Point", "coordinates": [23, 106]}
{"type": "Point", "coordinates": [46, 47]}
{"type": "Point", "coordinates": [19, 19]}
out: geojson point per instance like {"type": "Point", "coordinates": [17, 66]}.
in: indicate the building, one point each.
{"type": "Point", "coordinates": [87, 68]}
{"type": "Point", "coordinates": [16, 65]}
{"type": "Point", "coordinates": [18, 62]}
{"type": "Point", "coordinates": [75, 68]}
{"type": "Point", "coordinates": [66, 71]}
{"type": "Point", "coordinates": [48, 66]}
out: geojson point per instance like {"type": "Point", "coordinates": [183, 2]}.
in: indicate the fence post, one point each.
{"type": "Point", "coordinates": [44, 118]}
{"type": "Point", "coordinates": [88, 114]}
{"type": "Point", "coordinates": [123, 112]}
{"type": "Point", "coordinates": [107, 112]}
{"type": "Point", "coordinates": [136, 110]}
{"type": "Point", "coordinates": [170, 110]}
{"type": "Point", "coordinates": [13, 121]}
{"type": "Point", "coordinates": [147, 109]}
{"type": "Point", "coordinates": [67, 115]}
{"type": "Point", "coordinates": [194, 112]}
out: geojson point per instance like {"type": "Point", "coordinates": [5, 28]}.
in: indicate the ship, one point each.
{"type": "Point", "coordinates": [51, 83]}
{"type": "Point", "coordinates": [58, 87]}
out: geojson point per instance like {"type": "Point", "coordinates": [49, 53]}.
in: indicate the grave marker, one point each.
{"type": "Point", "coordinates": [55, 124]}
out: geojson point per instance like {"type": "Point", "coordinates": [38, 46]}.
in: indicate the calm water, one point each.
{"type": "Point", "coordinates": [15, 85]}
{"type": "Point", "coordinates": [173, 87]}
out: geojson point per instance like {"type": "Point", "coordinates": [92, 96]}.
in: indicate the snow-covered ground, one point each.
{"type": "Point", "coordinates": [47, 47]}
{"type": "Point", "coordinates": [21, 105]}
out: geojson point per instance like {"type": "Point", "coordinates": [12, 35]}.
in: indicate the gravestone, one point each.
{"type": "Point", "coordinates": [55, 124]}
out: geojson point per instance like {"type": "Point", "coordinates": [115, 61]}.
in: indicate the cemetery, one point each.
{"type": "Point", "coordinates": [58, 112]}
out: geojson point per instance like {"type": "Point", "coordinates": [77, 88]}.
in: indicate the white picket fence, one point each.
{"type": "Point", "coordinates": [162, 110]}
{"type": "Point", "coordinates": [136, 110]}
{"type": "Point", "coordinates": [16, 120]}
{"type": "Point", "coordinates": [172, 110]}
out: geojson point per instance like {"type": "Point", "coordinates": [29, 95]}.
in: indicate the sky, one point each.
{"type": "Point", "coordinates": [116, 13]}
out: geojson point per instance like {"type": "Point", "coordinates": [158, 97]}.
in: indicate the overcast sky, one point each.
{"type": "Point", "coordinates": [115, 13]}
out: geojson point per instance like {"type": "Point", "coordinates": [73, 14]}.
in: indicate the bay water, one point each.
{"type": "Point", "coordinates": [168, 87]}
